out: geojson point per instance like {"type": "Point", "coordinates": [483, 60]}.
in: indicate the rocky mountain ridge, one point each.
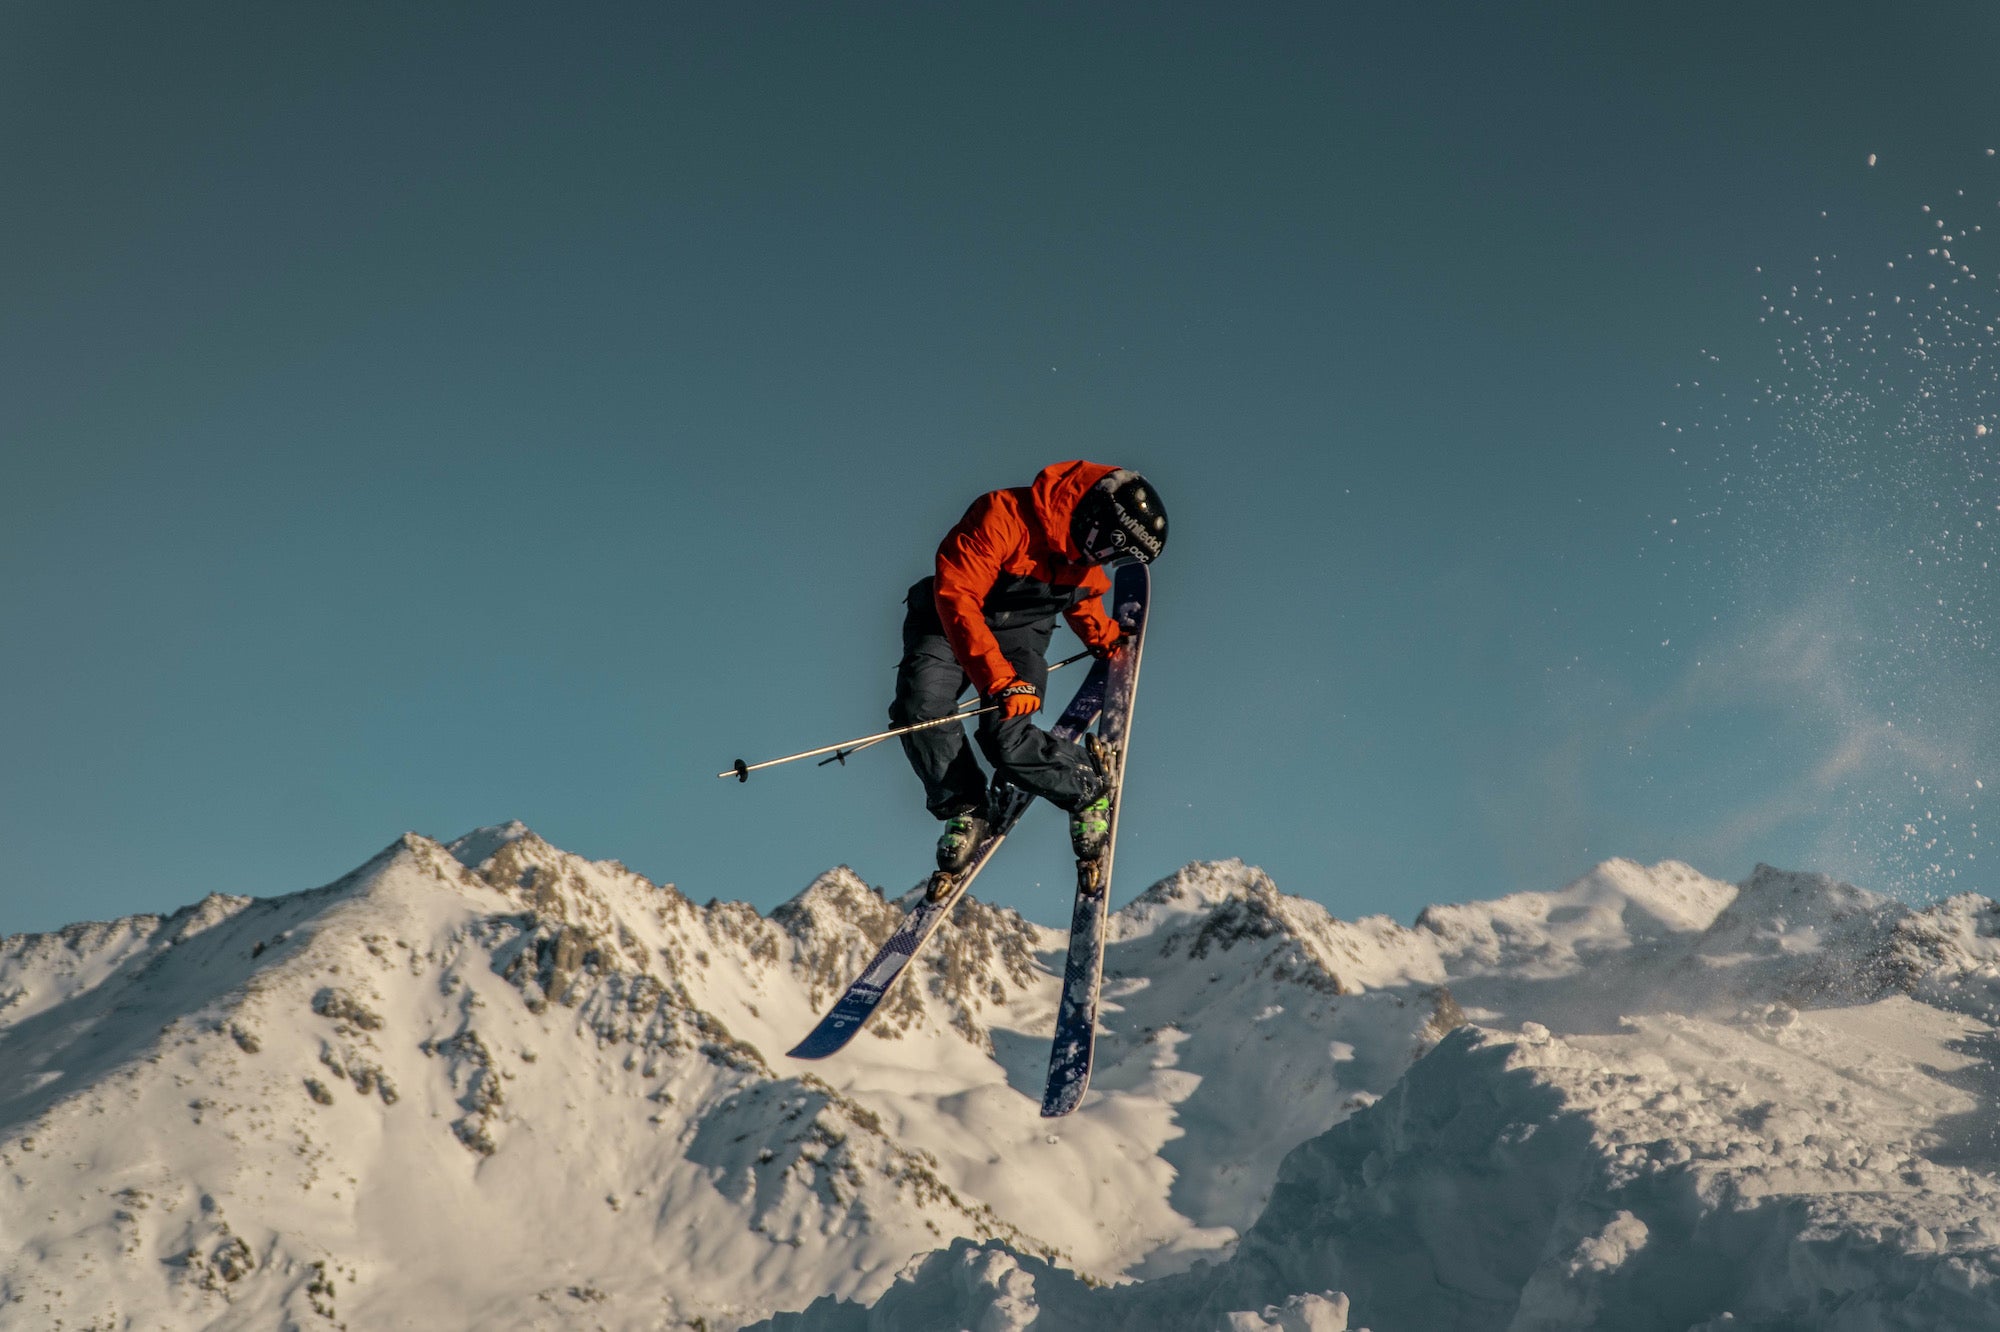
{"type": "Point", "coordinates": [565, 1086]}
{"type": "Point", "coordinates": [1767, 1106]}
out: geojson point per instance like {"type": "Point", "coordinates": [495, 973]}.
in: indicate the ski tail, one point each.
{"type": "Point", "coordinates": [1076, 1020]}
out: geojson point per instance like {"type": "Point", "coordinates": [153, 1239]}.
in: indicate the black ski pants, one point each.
{"type": "Point", "coordinates": [928, 683]}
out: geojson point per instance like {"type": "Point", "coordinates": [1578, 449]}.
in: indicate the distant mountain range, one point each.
{"type": "Point", "coordinates": [491, 1084]}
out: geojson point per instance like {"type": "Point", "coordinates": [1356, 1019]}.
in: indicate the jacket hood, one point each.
{"type": "Point", "coordinates": [1054, 497]}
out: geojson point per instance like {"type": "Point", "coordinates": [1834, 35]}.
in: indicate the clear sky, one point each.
{"type": "Point", "coordinates": [422, 416]}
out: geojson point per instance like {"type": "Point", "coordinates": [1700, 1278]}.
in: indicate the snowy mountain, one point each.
{"type": "Point", "coordinates": [491, 1083]}
{"type": "Point", "coordinates": [1759, 1107]}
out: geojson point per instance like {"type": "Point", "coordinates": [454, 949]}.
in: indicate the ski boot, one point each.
{"type": "Point", "coordinates": [962, 835]}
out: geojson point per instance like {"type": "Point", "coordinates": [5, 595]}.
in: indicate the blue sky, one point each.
{"type": "Point", "coordinates": [418, 417]}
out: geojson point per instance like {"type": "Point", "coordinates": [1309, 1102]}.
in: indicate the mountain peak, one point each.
{"type": "Point", "coordinates": [1193, 890]}
{"type": "Point", "coordinates": [838, 891]}
{"type": "Point", "coordinates": [1784, 914]}
{"type": "Point", "coordinates": [1616, 905]}
{"type": "Point", "coordinates": [481, 844]}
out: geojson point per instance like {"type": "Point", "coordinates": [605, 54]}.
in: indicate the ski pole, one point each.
{"type": "Point", "coordinates": [841, 753]}
{"type": "Point", "coordinates": [741, 771]}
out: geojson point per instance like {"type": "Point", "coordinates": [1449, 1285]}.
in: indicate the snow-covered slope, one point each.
{"type": "Point", "coordinates": [493, 1084]}
{"type": "Point", "coordinates": [444, 1093]}
{"type": "Point", "coordinates": [1768, 1107]}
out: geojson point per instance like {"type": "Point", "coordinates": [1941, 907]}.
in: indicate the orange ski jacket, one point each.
{"type": "Point", "coordinates": [1010, 559]}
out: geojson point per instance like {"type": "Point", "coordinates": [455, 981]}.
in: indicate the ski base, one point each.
{"type": "Point", "coordinates": [1075, 1045]}
{"type": "Point", "coordinates": [1076, 1020]}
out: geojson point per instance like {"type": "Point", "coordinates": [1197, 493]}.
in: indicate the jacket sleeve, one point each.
{"type": "Point", "coordinates": [1087, 617]}
{"type": "Point", "coordinates": [968, 564]}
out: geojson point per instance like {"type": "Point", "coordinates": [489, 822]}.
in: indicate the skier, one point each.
{"type": "Point", "coordinates": [1017, 559]}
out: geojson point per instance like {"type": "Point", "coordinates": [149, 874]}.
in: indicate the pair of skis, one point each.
{"type": "Point", "coordinates": [1105, 697]}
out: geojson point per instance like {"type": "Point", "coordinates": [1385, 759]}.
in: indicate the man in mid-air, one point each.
{"type": "Point", "coordinates": [1017, 559]}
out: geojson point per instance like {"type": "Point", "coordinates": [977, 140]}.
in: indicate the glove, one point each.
{"type": "Point", "coordinates": [1017, 698]}
{"type": "Point", "coordinates": [1106, 643]}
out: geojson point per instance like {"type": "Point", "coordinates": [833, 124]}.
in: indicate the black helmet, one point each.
{"type": "Point", "coordinates": [1120, 517]}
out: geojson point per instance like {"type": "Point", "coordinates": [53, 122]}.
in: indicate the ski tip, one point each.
{"type": "Point", "coordinates": [827, 1038]}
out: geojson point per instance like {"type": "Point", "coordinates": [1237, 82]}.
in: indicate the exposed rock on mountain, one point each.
{"type": "Point", "coordinates": [491, 1083]}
